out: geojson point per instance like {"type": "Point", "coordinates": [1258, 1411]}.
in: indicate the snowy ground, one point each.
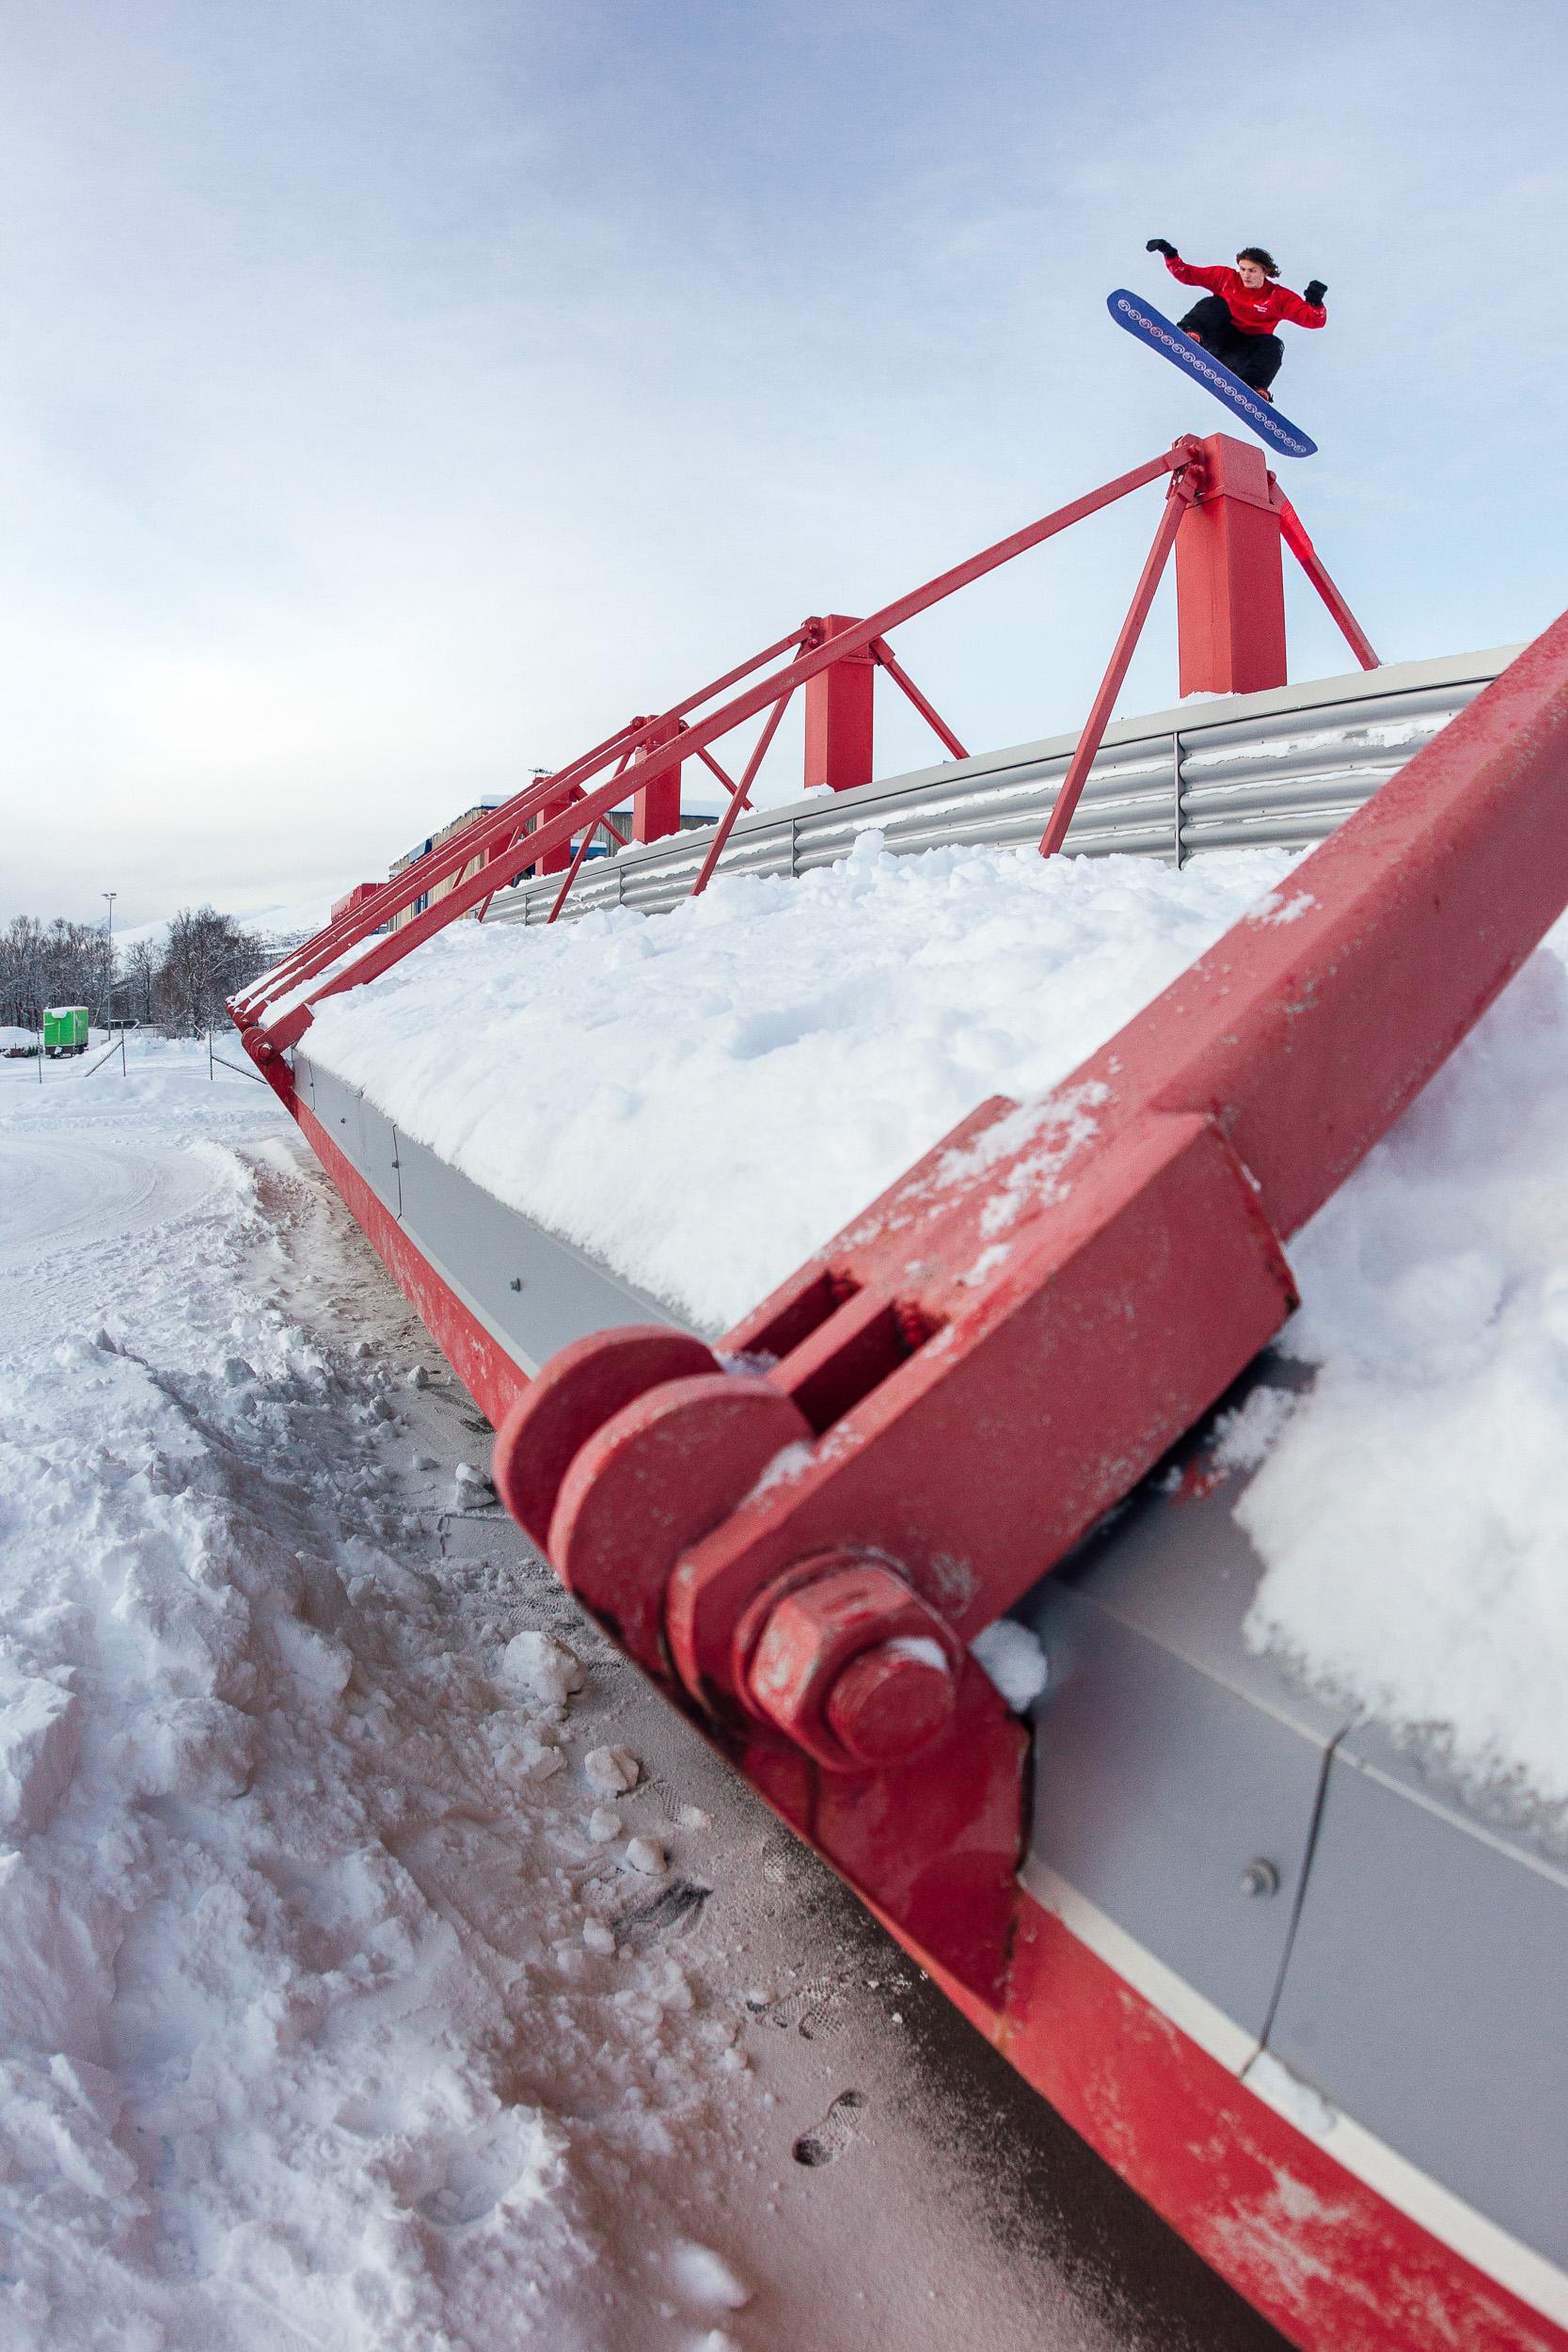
{"type": "Point", "coordinates": [344, 2006]}
{"type": "Point", "coordinates": [702, 1098]}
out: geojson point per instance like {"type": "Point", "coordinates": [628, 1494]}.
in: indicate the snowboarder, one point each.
{"type": "Point", "coordinates": [1233, 322]}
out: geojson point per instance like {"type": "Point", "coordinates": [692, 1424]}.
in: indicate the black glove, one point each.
{"type": "Point", "coordinates": [1161, 245]}
{"type": "Point", "coordinates": [1315, 292]}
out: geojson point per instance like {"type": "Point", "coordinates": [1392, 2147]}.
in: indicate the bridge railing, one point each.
{"type": "Point", "coordinates": [1223, 513]}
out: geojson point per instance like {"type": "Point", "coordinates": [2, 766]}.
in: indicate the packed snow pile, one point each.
{"type": "Point", "coordinates": [1414, 1510]}
{"type": "Point", "coordinates": [321, 2021]}
{"type": "Point", "coordinates": [702, 1098]}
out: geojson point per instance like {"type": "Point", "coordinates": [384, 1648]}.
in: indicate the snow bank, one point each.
{"type": "Point", "coordinates": [703, 1097]}
{"type": "Point", "coordinates": [1413, 1512]}
{"type": "Point", "coordinates": [319, 2025]}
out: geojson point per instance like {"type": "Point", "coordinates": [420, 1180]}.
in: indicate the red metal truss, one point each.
{"type": "Point", "coordinates": [907, 688]}
{"type": "Point", "coordinates": [1230, 513]}
{"type": "Point", "coordinates": [345, 954]}
{"type": "Point", "coordinates": [976, 1370]}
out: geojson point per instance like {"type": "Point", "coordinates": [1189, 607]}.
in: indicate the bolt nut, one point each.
{"type": "Point", "coordinates": [853, 1665]}
{"type": "Point", "coordinates": [892, 1701]}
{"type": "Point", "coordinates": [1261, 1877]}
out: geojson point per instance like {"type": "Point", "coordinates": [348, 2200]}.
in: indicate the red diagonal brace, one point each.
{"type": "Point", "coordinates": [907, 686]}
{"type": "Point", "coordinates": [1294, 534]}
{"type": "Point", "coordinates": [741, 797]}
{"type": "Point", "coordinates": [1178, 498]}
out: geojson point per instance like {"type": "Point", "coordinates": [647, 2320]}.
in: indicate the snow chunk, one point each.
{"type": "Point", "coordinates": [598, 1938]}
{"type": "Point", "coordinates": [40, 1732]}
{"type": "Point", "coordinates": [705, 2277]}
{"type": "Point", "coordinates": [542, 1666]}
{"type": "Point", "coordinates": [611, 1771]}
{"type": "Point", "coordinates": [1244, 1437]}
{"type": "Point", "coordinates": [1296, 2101]}
{"type": "Point", "coordinates": [1282, 906]}
{"type": "Point", "coordinates": [648, 1856]}
{"type": "Point", "coordinates": [315, 1660]}
{"type": "Point", "coordinates": [1014, 1659]}
{"type": "Point", "coordinates": [788, 1466]}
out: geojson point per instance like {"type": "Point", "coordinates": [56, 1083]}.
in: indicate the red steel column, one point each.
{"type": "Point", "coordinates": [1231, 577]}
{"type": "Point", "coordinates": [656, 809]}
{"type": "Point", "coordinates": [554, 861]}
{"type": "Point", "coordinates": [838, 714]}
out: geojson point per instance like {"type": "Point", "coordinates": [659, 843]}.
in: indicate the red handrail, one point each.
{"type": "Point", "coordinates": [310, 964]}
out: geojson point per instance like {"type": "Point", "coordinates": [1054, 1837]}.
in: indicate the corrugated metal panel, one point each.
{"type": "Point", "coordinates": [1292, 778]}
{"type": "Point", "coordinates": [1285, 766]}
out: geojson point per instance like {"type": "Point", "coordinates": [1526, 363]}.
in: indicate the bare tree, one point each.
{"type": "Point", "coordinates": [139, 971]}
{"type": "Point", "coordinates": [52, 963]}
{"type": "Point", "coordinates": [207, 957]}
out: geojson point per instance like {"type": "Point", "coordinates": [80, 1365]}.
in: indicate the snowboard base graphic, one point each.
{"type": "Point", "coordinates": [1140, 318]}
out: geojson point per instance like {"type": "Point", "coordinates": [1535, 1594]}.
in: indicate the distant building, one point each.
{"type": "Point", "coordinates": [515, 863]}
{"type": "Point", "coordinates": [513, 867]}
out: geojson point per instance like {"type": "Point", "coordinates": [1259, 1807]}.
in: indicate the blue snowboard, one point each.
{"type": "Point", "coordinates": [1140, 318]}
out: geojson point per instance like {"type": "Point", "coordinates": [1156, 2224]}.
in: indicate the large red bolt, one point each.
{"type": "Point", "coordinates": [851, 1663]}
{"type": "Point", "coordinates": [892, 1701]}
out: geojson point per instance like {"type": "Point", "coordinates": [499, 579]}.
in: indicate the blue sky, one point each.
{"type": "Point", "coordinates": [396, 396]}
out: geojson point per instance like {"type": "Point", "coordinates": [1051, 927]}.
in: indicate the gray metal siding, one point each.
{"type": "Point", "coordinates": [1428, 1989]}
{"type": "Point", "coordinates": [1283, 767]}
{"type": "Point", "coordinates": [1412, 1966]}
{"type": "Point", "coordinates": [531, 1290]}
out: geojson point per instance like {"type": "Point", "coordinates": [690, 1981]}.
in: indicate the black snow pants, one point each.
{"type": "Point", "coordinates": [1254, 357]}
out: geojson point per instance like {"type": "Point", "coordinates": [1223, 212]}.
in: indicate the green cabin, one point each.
{"type": "Point", "coordinates": [65, 1030]}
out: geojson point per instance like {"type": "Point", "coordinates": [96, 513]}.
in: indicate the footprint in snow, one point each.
{"type": "Point", "coordinates": [829, 2139]}
{"type": "Point", "coordinates": [672, 1911]}
{"type": "Point", "coordinates": [812, 2010]}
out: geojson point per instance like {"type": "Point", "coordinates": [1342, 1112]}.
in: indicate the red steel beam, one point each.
{"type": "Point", "coordinates": [501, 825]}
{"type": "Point", "coordinates": [839, 715]}
{"type": "Point", "coordinates": [1178, 501]}
{"type": "Point", "coordinates": [1335, 2267]}
{"type": "Point", "coordinates": [725, 779]}
{"type": "Point", "coordinates": [571, 874]}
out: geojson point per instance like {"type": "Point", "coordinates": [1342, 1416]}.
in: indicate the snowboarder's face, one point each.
{"type": "Point", "coordinates": [1251, 274]}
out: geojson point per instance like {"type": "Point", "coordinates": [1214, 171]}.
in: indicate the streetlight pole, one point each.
{"type": "Point", "coordinates": [110, 981]}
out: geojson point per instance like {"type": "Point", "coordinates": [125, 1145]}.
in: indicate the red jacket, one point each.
{"type": "Point", "coordinates": [1251, 313]}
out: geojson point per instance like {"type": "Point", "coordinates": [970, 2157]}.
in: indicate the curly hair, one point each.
{"type": "Point", "coordinates": [1265, 261]}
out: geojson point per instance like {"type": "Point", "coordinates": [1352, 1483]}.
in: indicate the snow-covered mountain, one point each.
{"type": "Point", "coordinates": [283, 921]}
